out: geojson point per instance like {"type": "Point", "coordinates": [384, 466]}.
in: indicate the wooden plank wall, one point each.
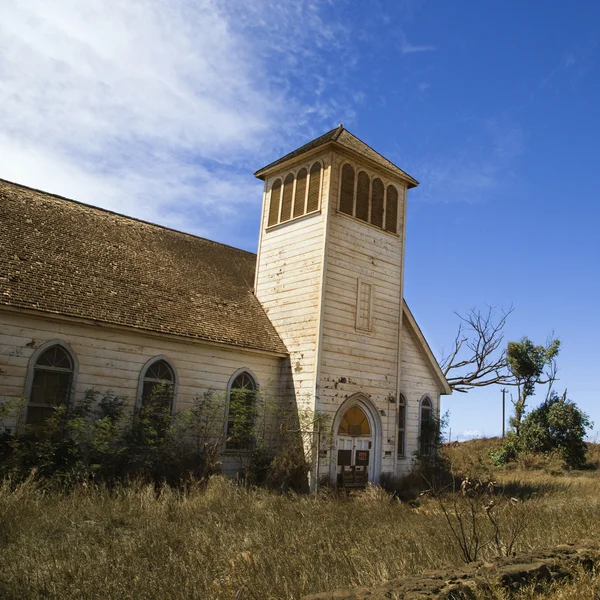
{"type": "Point", "coordinates": [353, 361]}
{"type": "Point", "coordinates": [112, 359]}
{"type": "Point", "coordinates": [416, 380]}
{"type": "Point", "coordinates": [288, 284]}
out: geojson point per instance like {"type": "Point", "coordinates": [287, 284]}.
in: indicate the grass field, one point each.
{"type": "Point", "coordinates": [210, 541]}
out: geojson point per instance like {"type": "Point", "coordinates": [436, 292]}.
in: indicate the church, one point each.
{"type": "Point", "coordinates": [93, 299]}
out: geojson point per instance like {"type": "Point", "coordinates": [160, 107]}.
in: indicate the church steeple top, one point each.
{"type": "Point", "coordinates": [339, 137]}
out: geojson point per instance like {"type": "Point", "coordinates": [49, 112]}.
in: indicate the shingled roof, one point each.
{"type": "Point", "coordinates": [61, 256]}
{"type": "Point", "coordinates": [340, 136]}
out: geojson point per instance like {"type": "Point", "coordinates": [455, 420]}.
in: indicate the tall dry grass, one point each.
{"type": "Point", "coordinates": [208, 542]}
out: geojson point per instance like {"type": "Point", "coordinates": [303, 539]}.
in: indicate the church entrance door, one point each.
{"type": "Point", "coordinates": [354, 449]}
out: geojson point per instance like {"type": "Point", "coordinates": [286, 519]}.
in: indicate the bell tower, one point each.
{"type": "Point", "coordinates": [329, 274]}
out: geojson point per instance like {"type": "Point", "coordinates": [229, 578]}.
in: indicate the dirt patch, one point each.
{"type": "Point", "coordinates": [508, 573]}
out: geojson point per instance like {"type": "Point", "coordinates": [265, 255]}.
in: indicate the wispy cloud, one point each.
{"type": "Point", "coordinates": [157, 109]}
{"type": "Point", "coordinates": [407, 48]}
{"type": "Point", "coordinates": [479, 165]}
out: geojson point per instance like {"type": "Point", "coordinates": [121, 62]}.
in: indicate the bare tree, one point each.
{"type": "Point", "coordinates": [478, 356]}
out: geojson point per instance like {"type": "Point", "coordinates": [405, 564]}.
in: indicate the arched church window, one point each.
{"type": "Point", "coordinates": [377, 202]}
{"type": "Point", "coordinates": [300, 196]}
{"type": "Point", "coordinates": [427, 424]}
{"type": "Point", "coordinates": [362, 196]}
{"type": "Point", "coordinates": [347, 190]}
{"type": "Point", "coordinates": [391, 209]}
{"type": "Point", "coordinates": [401, 441]}
{"type": "Point", "coordinates": [274, 204]}
{"type": "Point", "coordinates": [51, 384]}
{"type": "Point", "coordinates": [286, 203]}
{"type": "Point", "coordinates": [157, 386]}
{"type": "Point", "coordinates": [241, 412]}
{"type": "Point", "coordinates": [314, 187]}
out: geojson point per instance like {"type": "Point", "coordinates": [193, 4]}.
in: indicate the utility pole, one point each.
{"type": "Point", "coordinates": [504, 390]}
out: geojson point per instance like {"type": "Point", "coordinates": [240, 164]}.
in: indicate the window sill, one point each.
{"type": "Point", "coordinates": [293, 220]}
{"type": "Point", "coordinates": [366, 223]}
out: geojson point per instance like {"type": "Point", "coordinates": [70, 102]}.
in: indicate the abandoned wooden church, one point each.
{"type": "Point", "coordinates": [94, 299]}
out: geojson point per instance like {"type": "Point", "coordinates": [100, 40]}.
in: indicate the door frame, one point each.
{"type": "Point", "coordinates": [372, 414]}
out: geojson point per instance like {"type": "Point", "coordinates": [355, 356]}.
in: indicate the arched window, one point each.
{"type": "Point", "coordinates": [157, 389]}
{"type": "Point", "coordinates": [51, 383]}
{"type": "Point", "coordinates": [347, 190]}
{"type": "Point", "coordinates": [362, 196]}
{"type": "Point", "coordinates": [401, 441]}
{"type": "Point", "coordinates": [241, 412]}
{"type": "Point", "coordinates": [300, 195]}
{"type": "Point", "coordinates": [274, 204]}
{"type": "Point", "coordinates": [288, 194]}
{"type": "Point", "coordinates": [314, 188]}
{"type": "Point", "coordinates": [391, 209]}
{"type": "Point", "coordinates": [427, 424]}
{"type": "Point", "coordinates": [377, 203]}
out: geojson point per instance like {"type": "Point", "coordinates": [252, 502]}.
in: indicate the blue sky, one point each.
{"type": "Point", "coordinates": [163, 109]}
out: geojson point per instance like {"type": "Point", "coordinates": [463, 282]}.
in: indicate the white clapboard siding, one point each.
{"type": "Point", "coordinates": [351, 360]}
{"type": "Point", "coordinates": [288, 285]}
{"type": "Point", "coordinates": [112, 359]}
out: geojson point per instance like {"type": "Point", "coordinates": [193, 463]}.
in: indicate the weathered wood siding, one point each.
{"type": "Point", "coordinates": [288, 284]}
{"type": "Point", "coordinates": [416, 381]}
{"type": "Point", "coordinates": [351, 360]}
{"type": "Point", "coordinates": [112, 359]}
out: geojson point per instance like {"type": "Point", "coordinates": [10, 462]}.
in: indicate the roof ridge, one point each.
{"type": "Point", "coordinates": [378, 153]}
{"type": "Point", "coordinates": [112, 212]}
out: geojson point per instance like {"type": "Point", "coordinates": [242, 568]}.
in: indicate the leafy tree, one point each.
{"type": "Point", "coordinates": [526, 363]}
{"type": "Point", "coordinates": [557, 425]}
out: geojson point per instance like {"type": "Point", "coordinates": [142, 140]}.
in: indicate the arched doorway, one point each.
{"type": "Point", "coordinates": [357, 445]}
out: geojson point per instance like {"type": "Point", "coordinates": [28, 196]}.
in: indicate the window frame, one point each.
{"type": "Point", "coordinates": [281, 177]}
{"type": "Point", "coordinates": [230, 383]}
{"type": "Point", "coordinates": [400, 191]}
{"type": "Point", "coordinates": [368, 328]}
{"type": "Point", "coordinates": [402, 408]}
{"type": "Point", "coordinates": [142, 377]}
{"type": "Point", "coordinates": [31, 368]}
{"type": "Point", "coordinates": [430, 408]}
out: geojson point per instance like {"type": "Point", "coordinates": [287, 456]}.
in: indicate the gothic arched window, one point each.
{"type": "Point", "coordinates": [427, 424]}
{"type": "Point", "coordinates": [157, 389]}
{"type": "Point", "coordinates": [241, 412]}
{"type": "Point", "coordinates": [51, 383]}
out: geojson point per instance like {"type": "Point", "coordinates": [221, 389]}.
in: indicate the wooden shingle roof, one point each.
{"type": "Point", "coordinates": [60, 256]}
{"type": "Point", "coordinates": [341, 137]}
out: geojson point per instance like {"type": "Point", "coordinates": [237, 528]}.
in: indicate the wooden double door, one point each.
{"type": "Point", "coordinates": [354, 446]}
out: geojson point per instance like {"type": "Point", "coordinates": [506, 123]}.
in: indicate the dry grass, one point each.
{"type": "Point", "coordinates": [209, 542]}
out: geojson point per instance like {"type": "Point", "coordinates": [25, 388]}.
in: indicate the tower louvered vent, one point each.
{"type": "Point", "coordinates": [286, 203]}
{"type": "Point", "coordinates": [369, 201]}
{"type": "Point", "coordinates": [301, 195]}
{"type": "Point", "coordinates": [347, 190]}
{"type": "Point", "coordinates": [362, 196]}
{"type": "Point", "coordinates": [314, 187]}
{"type": "Point", "coordinates": [391, 209]}
{"type": "Point", "coordinates": [377, 202]}
{"type": "Point", "coordinates": [274, 204]}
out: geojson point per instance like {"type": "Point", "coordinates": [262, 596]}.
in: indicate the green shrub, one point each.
{"type": "Point", "coordinates": [557, 425]}
{"type": "Point", "coordinates": [556, 428]}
